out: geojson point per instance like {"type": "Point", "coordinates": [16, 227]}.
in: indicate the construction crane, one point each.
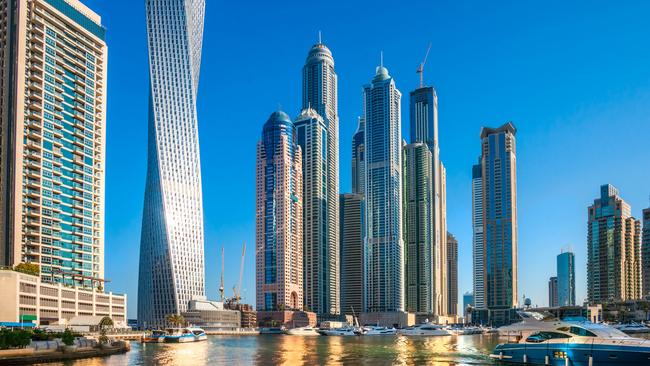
{"type": "Point", "coordinates": [221, 288]}
{"type": "Point", "coordinates": [420, 69]}
{"type": "Point", "coordinates": [237, 289]}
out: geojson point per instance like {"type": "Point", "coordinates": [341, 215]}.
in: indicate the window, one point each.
{"type": "Point", "coordinates": [581, 332]}
{"type": "Point", "coordinates": [540, 337]}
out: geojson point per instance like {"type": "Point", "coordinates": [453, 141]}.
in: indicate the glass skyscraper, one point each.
{"type": "Point", "coordinates": [52, 139]}
{"type": "Point", "coordinates": [452, 274]}
{"type": "Point", "coordinates": [552, 292]}
{"type": "Point", "coordinates": [499, 220]}
{"type": "Point", "coordinates": [352, 229]}
{"type": "Point", "coordinates": [613, 249]}
{"type": "Point", "coordinates": [358, 158]}
{"type": "Point", "coordinates": [566, 279]}
{"type": "Point", "coordinates": [171, 248]}
{"type": "Point", "coordinates": [478, 248]}
{"type": "Point", "coordinates": [384, 246]}
{"type": "Point", "coordinates": [321, 173]}
{"type": "Point", "coordinates": [279, 192]}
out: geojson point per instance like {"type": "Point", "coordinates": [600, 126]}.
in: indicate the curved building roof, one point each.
{"type": "Point", "coordinates": [381, 73]}
{"type": "Point", "coordinates": [318, 53]}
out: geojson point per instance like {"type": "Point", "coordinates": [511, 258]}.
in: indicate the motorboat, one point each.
{"type": "Point", "coordinates": [575, 342]}
{"type": "Point", "coordinates": [303, 331]}
{"type": "Point", "coordinates": [529, 322]}
{"type": "Point", "coordinates": [631, 328]}
{"type": "Point", "coordinates": [424, 329]}
{"type": "Point", "coordinates": [156, 336]}
{"type": "Point", "coordinates": [343, 331]}
{"type": "Point", "coordinates": [459, 330]}
{"type": "Point", "coordinates": [182, 335]}
{"type": "Point", "coordinates": [272, 330]}
{"type": "Point", "coordinates": [376, 331]}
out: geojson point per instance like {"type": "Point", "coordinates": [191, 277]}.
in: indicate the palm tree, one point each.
{"type": "Point", "coordinates": [175, 319]}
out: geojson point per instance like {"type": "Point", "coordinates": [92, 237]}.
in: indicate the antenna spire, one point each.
{"type": "Point", "coordinates": [381, 58]}
{"type": "Point", "coordinates": [320, 37]}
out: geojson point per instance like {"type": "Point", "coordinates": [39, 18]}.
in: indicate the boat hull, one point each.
{"type": "Point", "coordinates": [578, 354]}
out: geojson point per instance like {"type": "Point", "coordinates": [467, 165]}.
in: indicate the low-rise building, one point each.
{"type": "Point", "coordinates": [211, 316]}
{"type": "Point", "coordinates": [25, 298]}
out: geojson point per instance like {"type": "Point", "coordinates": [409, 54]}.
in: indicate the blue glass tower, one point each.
{"type": "Point", "coordinates": [171, 247]}
{"type": "Point", "coordinates": [384, 246]}
{"type": "Point", "coordinates": [566, 279]}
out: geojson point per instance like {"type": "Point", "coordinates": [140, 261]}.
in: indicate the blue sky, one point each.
{"type": "Point", "coordinates": [574, 78]}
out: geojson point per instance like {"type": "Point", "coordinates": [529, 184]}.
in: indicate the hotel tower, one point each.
{"type": "Point", "coordinates": [279, 246]}
{"type": "Point", "coordinates": [318, 135]}
{"type": "Point", "coordinates": [171, 246]}
{"type": "Point", "coordinates": [53, 59]}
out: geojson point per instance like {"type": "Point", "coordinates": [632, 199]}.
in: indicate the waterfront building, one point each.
{"type": "Point", "coordinates": [566, 279]}
{"type": "Point", "coordinates": [421, 291]}
{"type": "Point", "coordinates": [498, 248]}
{"type": "Point", "coordinates": [27, 298]}
{"type": "Point", "coordinates": [384, 246]}
{"type": "Point", "coordinates": [613, 249]}
{"type": "Point", "coordinates": [478, 248]}
{"type": "Point", "coordinates": [52, 139]}
{"type": "Point", "coordinates": [279, 239]}
{"type": "Point", "coordinates": [423, 126]}
{"type": "Point", "coordinates": [553, 292]}
{"type": "Point", "coordinates": [321, 167]}
{"type": "Point", "coordinates": [645, 253]}
{"type": "Point", "coordinates": [452, 274]}
{"type": "Point", "coordinates": [211, 316]}
{"type": "Point", "coordinates": [358, 158]}
{"type": "Point", "coordinates": [352, 228]}
{"type": "Point", "coordinates": [171, 246]}
{"type": "Point", "coordinates": [468, 304]}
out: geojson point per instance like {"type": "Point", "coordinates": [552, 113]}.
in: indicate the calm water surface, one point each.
{"type": "Point", "coordinates": [295, 350]}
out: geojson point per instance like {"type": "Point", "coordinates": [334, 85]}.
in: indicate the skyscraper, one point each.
{"type": "Point", "coordinates": [499, 219]}
{"type": "Point", "coordinates": [319, 92]}
{"type": "Point", "coordinates": [552, 293]}
{"type": "Point", "coordinates": [452, 274]}
{"type": "Point", "coordinates": [384, 246]}
{"type": "Point", "coordinates": [420, 259]}
{"type": "Point", "coordinates": [478, 246]}
{"type": "Point", "coordinates": [566, 279]}
{"type": "Point", "coordinates": [279, 246]}
{"type": "Point", "coordinates": [352, 228]}
{"type": "Point", "coordinates": [613, 249]}
{"type": "Point", "coordinates": [171, 247]}
{"type": "Point", "coordinates": [645, 255]}
{"type": "Point", "coordinates": [52, 139]}
{"type": "Point", "coordinates": [358, 158]}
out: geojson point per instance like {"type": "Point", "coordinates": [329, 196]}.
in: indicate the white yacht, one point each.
{"type": "Point", "coordinates": [575, 342]}
{"type": "Point", "coordinates": [632, 328]}
{"type": "Point", "coordinates": [182, 335]}
{"type": "Point", "coordinates": [424, 329]}
{"type": "Point", "coordinates": [344, 331]}
{"type": "Point", "coordinates": [376, 331]}
{"type": "Point", "coordinates": [303, 331]}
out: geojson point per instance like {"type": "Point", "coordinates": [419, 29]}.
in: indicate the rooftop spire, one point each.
{"type": "Point", "coordinates": [320, 37]}
{"type": "Point", "coordinates": [381, 58]}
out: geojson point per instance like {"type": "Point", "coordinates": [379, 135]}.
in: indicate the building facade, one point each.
{"type": "Point", "coordinates": [211, 316]}
{"type": "Point", "coordinates": [478, 247]}
{"type": "Point", "coordinates": [352, 228]}
{"type": "Point", "coordinates": [279, 238]}
{"type": "Point", "coordinates": [384, 246]}
{"type": "Point", "coordinates": [553, 301]}
{"type": "Point", "coordinates": [499, 220]}
{"type": "Point", "coordinates": [468, 305]}
{"type": "Point", "coordinates": [452, 275]}
{"type": "Point", "coordinates": [420, 259]}
{"type": "Point", "coordinates": [566, 279]}
{"type": "Point", "coordinates": [645, 253]}
{"type": "Point", "coordinates": [52, 139]}
{"type": "Point", "coordinates": [171, 247]}
{"type": "Point", "coordinates": [613, 249]}
{"type": "Point", "coordinates": [321, 205]}
{"type": "Point", "coordinates": [28, 298]}
{"type": "Point", "coordinates": [358, 158]}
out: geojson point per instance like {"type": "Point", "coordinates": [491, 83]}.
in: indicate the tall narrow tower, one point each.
{"type": "Point", "coordinates": [321, 231]}
{"type": "Point", "coordinates": [645, 252]}
{"type": "Point", "coordinates": [171, 247]}
{"type": "Point", "coordinates": [384, 246]}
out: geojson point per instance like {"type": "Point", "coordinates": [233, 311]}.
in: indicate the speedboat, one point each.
{"type": "Point", "coordinates": [156, 336]}
{"type": "Point", "coordinates": [303, 331]}
{"type": "Point", "coordinates": [344, 331]}
{"type": "Point", "coordinates": [376, 331]}
{"type": "Point", "coordinates": [272, 330]}
{"type": "Point", "coordinates": [424, 329]}
{"type": "Point", "coordinates": [457, 330]}
{"type": "Point", "coordinates": [631, 328]}
{"type": "Point", "coordinates": [572, 342]}
{"type": "Point", "coordinates": [182, 335]}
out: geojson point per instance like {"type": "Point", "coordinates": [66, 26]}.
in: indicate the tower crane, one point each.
{"type": "Point", "coordinates": [420, 69]}
{"type": "Point", "coordinates": [221, 288]}
{"type": "Point", "coordinates": [237, 289]}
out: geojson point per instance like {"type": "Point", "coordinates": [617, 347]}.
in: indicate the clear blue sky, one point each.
{"type": "Point", "coordinates": [574, 78]}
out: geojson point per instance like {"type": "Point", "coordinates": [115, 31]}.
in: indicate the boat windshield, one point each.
{"type": "Point", "coordinates": [581, 332]}
{"type": "Point", "coordinates": [544, 336]}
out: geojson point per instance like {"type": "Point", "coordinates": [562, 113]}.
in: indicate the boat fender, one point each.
{"type": "Point", "coordinates": [546, 360]}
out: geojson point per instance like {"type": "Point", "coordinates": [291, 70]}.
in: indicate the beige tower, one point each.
{"type": "Point", "coordinates": [52, 139]}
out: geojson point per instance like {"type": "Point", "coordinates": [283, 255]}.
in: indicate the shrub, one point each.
{"type": "Point", "coordinates": [67, 338]}
{"type": "Point", "coordinates": [28, 268]}
{"type": "Point", "coordinates": [18, 338]}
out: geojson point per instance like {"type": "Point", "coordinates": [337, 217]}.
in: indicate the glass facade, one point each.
{"type": "Point", "coordinates": [57, 143]}
{"type": "Point", "coordinates": [171, 248]}
{"type": "Point", "coordinates": [566, 279]}
{"type": "Point", "coordinates": [645, 253]}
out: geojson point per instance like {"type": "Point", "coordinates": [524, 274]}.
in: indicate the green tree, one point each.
{"type": "Point", "coordinates": [28, 268]}
{"type": "Point", "coordinates": [175, 319]}
{"type": "Point", "coordinates": [67, 338]}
